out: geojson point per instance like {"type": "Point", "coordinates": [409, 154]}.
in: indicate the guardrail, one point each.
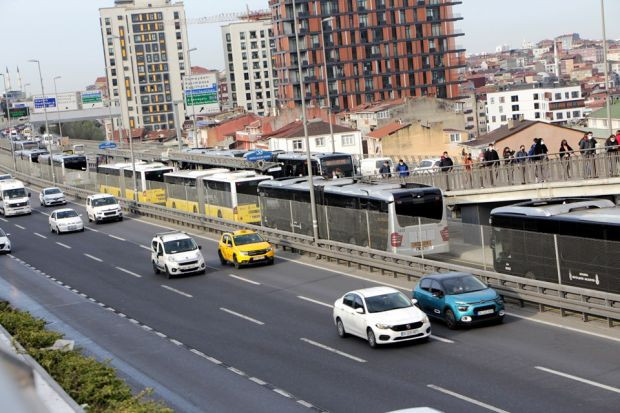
{"type": "Point", "coordinates": [546, 295]}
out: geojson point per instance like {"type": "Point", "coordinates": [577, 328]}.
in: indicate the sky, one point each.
{"type": "Point", "coordinates": [65, 35]}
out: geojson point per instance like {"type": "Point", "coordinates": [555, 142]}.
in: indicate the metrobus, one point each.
{"type": "Point", "coordinates": [31, 155]}
{"type": "Point", "coordinates": [64, 161]}
{"type": "Point", "coordinates": [25, 145]}
{"type": "Point", "coordinates": [585, 231]}
{"type": "Point", "coordinates": [149, 178]}
{"type": "Point", "coordinates": [234, 195]}
{"type": "Point", "coordinates": [404, 219]}
{"type": "Point", "coordinates": [181, 188]}
{"type": "Point", "coordinates": [323, 164]}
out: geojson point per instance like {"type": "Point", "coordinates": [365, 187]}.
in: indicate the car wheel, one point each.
{"type": "Point", "coordinates": [82, 230]}
{"type": "Point", "coordinates": [155, 269]}
{"type": "Point", "coordinates": [222, 260]}
{"type": "Point", "coordinates": [340, 327]}
{"type": "Point", "coordinates": [120, 219]}
{"type": "Point", "coordinates": [235, 262]}
{"type": "Point", "coordinates": [372, 340]}
{"type": "Point", "coordinates": [89, 219]}
{"type": "Point", "coordinates": [168, 273]}
{"type": "Point", "coordinates": [499, 320]}
{"type": "Point", "coordinates": [451, 320]}
{"type": "Point", "coordinates": [51, 229]}
{"type": "Point", "coordinates": [271, 261]}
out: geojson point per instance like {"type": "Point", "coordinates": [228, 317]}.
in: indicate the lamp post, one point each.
{"type": "Point", "coordinates": [606, 69]}
{"type": "Point", "coordinates": [26, 90]}
{"type": "Point", "coordinates": [47, 130]}
{"type": "Point", "coordinates": [57, 110]}
{"type": "Point", "coordinates": [8, 120]}
{"type": "Point", "coordinates": [329, 101]}
{"type": "Point", "coordinates": [111, 119]}
{"type": "Point", "coordinates": [315, 226]}
{"type": "Point", "coordinates": [189, 62]}
{"type": "Point", "coordinates": [177, 124]}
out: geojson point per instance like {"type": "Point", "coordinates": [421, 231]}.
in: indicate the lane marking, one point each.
{"type": "Point", "coordinates": [333, 350]}
{"type": "Point", "coordinates": [586, 381]}
{"type": "Point", "coordinates": [4, 220]}
{"type": "Point", "coordinates": [467, 399]}
{"type": "Point", "coordinates": [258, 381]}
{"type": "Point", "coordinates": [197, 352]}
{"type": "Point", "coordinates": [128, 272]}
{"type": "Point", "coordinates": [174, 290]}
{"type": "Point", "coordinates": [244, 279]}
{"type": "Point", "coordinates": [236, 371]}
{"type": "Point", "coordinates": [443, 340]}
{"type": "Point", "coordinates": [117, 238]}
{"type": "Point", "coordinates": [40, 236]}
{"type": "Point", "coordinates": [176, 342]}
{"type": "Point", "coordinates": [63, 245]}
{"type": "Point", "coordinates": [283, 393]}
{"type": "Point", "coordinates": [145, 247]}
{"type": "Point", "coordinates": [92, 229]}
{"type": "Point", "coordinates": [245, 317]}
{"type": "Point", "coordinates": [315, 301]}
{"type": "Point", "coordinates": [19, 226]}
{"type": "Point", "coordinates": [305, 404]}
{"type": "Point", "coordinates": [92, 257]}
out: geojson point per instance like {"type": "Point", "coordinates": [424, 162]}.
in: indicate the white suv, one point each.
{"type": "Point", "coordinates": [176, 253]}
{"type": "Point", "coordinates": [103, 207]}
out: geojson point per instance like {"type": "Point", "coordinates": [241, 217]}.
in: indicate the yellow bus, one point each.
{"type": "Point", "coordinates": [149, 178]}
{"type": "Point", "coordinates": [181, 188]}
{"type": "Point", "coordinates": [234, 196]}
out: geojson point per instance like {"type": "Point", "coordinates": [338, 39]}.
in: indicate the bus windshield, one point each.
{"type": "Point", "coordinates": [156, 175]}
{"type": "Point", "coordinates": [247, 192]}
{"type": "Point", "coordinates": [14, 193]}
{"type": "Point", "coordinates": [409, 207]}
{"type": "Point", "coordinates": [340, 166]}
{"type": "Point", "coordinates": [75, 162]}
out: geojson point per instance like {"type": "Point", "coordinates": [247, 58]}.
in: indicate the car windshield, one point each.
{"type": "Point", "coordinates": [462, 285]}
{"type": "Point", "coordinates": [66, 214]}
{"type": "Point", "coordinates": [109, 200]}
{"type": "Point", "coordinates": [15, 193]}
{"type": "Point", "coordinates": [52, 191]}
{"type": "Point", "coordinates": [387, 302]}
{"type": "Point", "coordinates": [247, 239]}
{"type": "Point", "coordinates": [180, 245]}
{"type": "Point", "coordinates": [4, 177]}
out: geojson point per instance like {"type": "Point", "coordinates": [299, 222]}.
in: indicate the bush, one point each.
{"type": "Point", "coordinates": [85, 379]}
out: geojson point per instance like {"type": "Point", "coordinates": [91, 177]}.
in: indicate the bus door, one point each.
{"type": "Point", "coordinates": [301, 213]}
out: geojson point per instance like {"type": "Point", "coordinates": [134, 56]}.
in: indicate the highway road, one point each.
{"type": "Point", "coordinates": [271, 327]}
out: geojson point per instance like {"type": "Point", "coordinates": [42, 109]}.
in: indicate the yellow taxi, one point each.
{"type": "Point", "coordinates": [244, 247]}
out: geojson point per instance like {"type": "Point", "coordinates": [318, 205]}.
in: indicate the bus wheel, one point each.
{"type": "Point", "coordinates": [195, 210]}
{"type": "Point", "coordinates": [219, 214]}
{"type": "Point", "coordinates": [352, 241]}
{"type": "Point", "coordinates": [530, 275]}
{"type": "Point", "coordinates": [174, 205]}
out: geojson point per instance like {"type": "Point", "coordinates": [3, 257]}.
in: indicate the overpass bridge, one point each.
{"type": "Point", "coordinates": [76, 115]}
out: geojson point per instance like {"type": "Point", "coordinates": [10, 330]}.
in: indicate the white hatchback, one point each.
{"type": "Point", "coordinates": [65, 220]}
{"type": "Point", "coordinates": [380, 315]}
{"type": "Point", "coordinates": [52, 196]}
{"type": "Point", "coordinates": [5, 242]}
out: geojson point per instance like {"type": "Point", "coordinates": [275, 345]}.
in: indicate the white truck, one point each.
{"type": "Point", "coordinates": [14, 199]}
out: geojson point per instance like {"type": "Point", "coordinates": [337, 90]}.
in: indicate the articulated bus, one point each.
{"type": "Point", "coordinates": [181, 188]}
{"type": "Point", "coordinates": [405, 219]}
{"type": "Point", "coordinates": [65, 161]}
{"type": "Point", "coordinates": [234, 196]}
{"type": "Point", "coordinates": [323, 164]}
{"type": "Point", "coordinates": [149, 178]}
{"type": "Point", "coordinates": [586, 233]}
{"type": "Point", "coordinates": [31, 155]}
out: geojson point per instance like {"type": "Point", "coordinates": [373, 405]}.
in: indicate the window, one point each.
{"type": "Point", "coordinates": [559, 115]}
{"type": "Point", "coordinates": [576, 114]}
{"type": "Point", "coordinates": [502, 118]}
{"type": "Point", "coordinates": [535, 96]}
{"type": "Point", "coordinates": [298, 145]}
{"type": "Point", "coordinates": [574, 94]}
{"type": "Point", "coordinates": [502, 99]}
{"type": "Point", "coordinates": [515, 108]}
{"type": "Point", "coordinates": [455, 137]}
{"type": "Point", "coordinates": [514, 98]}
{"type": "Point", "coordinates": [319, 141]}
{"type": "Point", "coordinates": [348, 300]}
{"type": "Point", "coordinates": [493, 119]}
{"type": "Point", "coordinates": [536, 105]}
{"type": "Point", "coordinates": [348, 140]}
{"type": "Point", "coordinates": [492, 101]}
{"type": "Point", "coordinates": [558, 96]}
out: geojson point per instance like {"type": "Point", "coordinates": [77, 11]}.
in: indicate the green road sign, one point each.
{"type": "Point", "coordinates": [201, 99]}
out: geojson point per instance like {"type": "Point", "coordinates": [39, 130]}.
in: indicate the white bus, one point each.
{"type": "Point", "coordinates": [14, 199]}
{"type": "Point", "coordinates": [181, 188]}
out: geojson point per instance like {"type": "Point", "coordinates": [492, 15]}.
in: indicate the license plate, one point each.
{"type": "Point", "coordinates": [420, 245]}
{"type": "Point", "coordinates": [72, 228]}
{"type": "Point", "coordinates": [407, 333]}
{"type": "Point", "coordinates": [485, 312]}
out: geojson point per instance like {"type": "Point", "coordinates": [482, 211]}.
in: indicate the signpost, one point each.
{"type": "Point", "coordinates": [49, 103]}
{"type": "Point", "coordinates": [19, 112]}
{"type": "Point", "coordinates": [258, 155]}
{"type": "Point", "coordinates": [91, 97]}
{"type": "Point", "coordinates": [107, 145]}
{"type": "Point", "coordinates": [199, 97]}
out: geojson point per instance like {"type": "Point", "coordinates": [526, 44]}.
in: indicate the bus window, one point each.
{"type": "Point", "coordinates": [247, 192]}
{"type": "Point", "coordinates": [409, 208]}
{"type": "Point", "coordinates": [157, 175]}
{"type": "Point", "coordinates": [218, 194]}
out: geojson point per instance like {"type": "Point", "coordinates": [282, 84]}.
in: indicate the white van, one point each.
{"type": "Point", "coordinates": [371, 166]}
{"type": "Point", "coordinates": [14, 199]}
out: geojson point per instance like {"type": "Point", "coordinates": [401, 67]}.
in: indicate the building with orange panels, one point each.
{"type": "Point", "coordinates": [375, 50]}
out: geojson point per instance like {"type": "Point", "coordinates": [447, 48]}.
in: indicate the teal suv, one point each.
{"type": "Point", "coordinates": [459, 299]}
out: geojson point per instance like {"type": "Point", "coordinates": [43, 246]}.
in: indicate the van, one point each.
{"type": "Point", "coordinates": [14, 199]}
{"type": "Point", "coordinates": [430, 165]}
{"type": "Point", "coordinates": [371, 166]}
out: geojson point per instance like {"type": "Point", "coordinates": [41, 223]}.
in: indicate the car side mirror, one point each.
{"type": "Point", "coordinates": [414, 301]}
{"type": "Point", "coordinates": [200, 247]}
{"type": "Point", "coordinates": [80, 215]}
{"type": "Point", "coordinates": [29, 194]}
{"type": "Point", "coordinates": [359, 310]}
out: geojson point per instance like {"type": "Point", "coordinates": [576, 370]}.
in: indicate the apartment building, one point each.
{"type": "Point", "coordinates": [250, 78]}
{"type": "Point", "coordinates": [375, 50]}
{"type": "Point", "coordinates": [146, 54]}
{"type": "Point", "coordinates": [550, 103]}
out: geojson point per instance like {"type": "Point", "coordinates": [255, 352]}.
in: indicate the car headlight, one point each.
{"type": "Point", "coordinates": [382, 326]}
{"type": "Point", "coordinates": [499, 300]}
{"type": "Point", "coordinates": [425, 320]}
{"type": "Point", "coordinates": [462, 307]}
{"type": "Point", "coordinates": [269, 249]}
{"type": "Point", "coordinates": [244, 253]}
{"type": "Point", "coordinates": [172, 259]}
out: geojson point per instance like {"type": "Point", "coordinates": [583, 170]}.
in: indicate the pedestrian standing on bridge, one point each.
{"type": "Point", "coordinates": [491, 162]}
{"type": "Point", "coordinates": [445, 166]}
{"type": "Point", "coordinates": [403, 170]}
{"type": "Point", "coordinates": [587, 147]}
{"type": "Point", "coordinates": [613, 151]}
{"type": "Point", "coordinates": [385, 170]}
{"type": "Point", "coordinates": [565, 153]}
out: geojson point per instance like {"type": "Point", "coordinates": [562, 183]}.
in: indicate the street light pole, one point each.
{"type": "Point", "coordinates": [606, 69]}
{"type": "Point", "coordinates": [8, 120]}
{"type": "Point", "coordinates": [177, 125]}
{"type": "Point", "coordinates": [189, 62]}
{"type": "Point", "coordinates": [47, 130]}
{"type": "Point", "coordinates": [57, 110]}
{"type": "Point", "coordinates": [315, 226]}
{"type": "Point", "coordinates": [329, 101]}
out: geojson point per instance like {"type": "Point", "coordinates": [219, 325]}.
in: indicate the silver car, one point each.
{"type": "Point", "coordinates": [5, 242]}
{"type": "Point", "coordinates": [52, 196]}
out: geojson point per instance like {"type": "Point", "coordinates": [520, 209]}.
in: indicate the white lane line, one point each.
{"type": "Point", "coordinates": [305, 403]}
{"type": "Point", "coordinates": [244, 279]}
{"type": "Point", "coordinates": [197, 352]}
{"type": "Point", "coordinates": [443, 340]}
{"type": "Point", "coordinates": [174, 290]}
{"type": "Point", "coordinates": [586, 381]}
{"type": "Point", "coordinates": [467, 399]}
{"type": "Point", "coordinates": [245, 317]}
{"type": "Point", "coordinates": [40, 236]}
{"type": "Point", "coordinates": [333, 350]}
{"type": "Point", "coordinates": [4, 220]}
{"type": "Point", "coordinates": [92, 229]}
{"type": "Point", "coordinates": [128, 272]}
{"type": "Point", "coordinates": [283, 393]}
{"type": "Point", "coordinates": [92, 257]}
{"type": "Point", "coordinates": [145, 247]}
{"type": "Point", "coordinates": [573, 329]}
{"type": "Point", "coordinates": [117, 238]}
{"type": "Point", "coordinates": [19, 226]}
{"type": "Point", "coordinates": [258, 381]}
{"type": "Point", "coordinates": [176, 342]}
{"type": "Point", "coordinates": [315, 301]}
{"type": "Point", "coordinates": [63, 245]}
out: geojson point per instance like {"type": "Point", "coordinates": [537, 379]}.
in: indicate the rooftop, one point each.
{"type": "Point", "coordinates": [316, 127]}
{"type": "Point", "coordinates": [388, 129]}
{"type": "Point", "coordinates": [506, 131]}
{"type": "Point", "coordinates": [602, 113]}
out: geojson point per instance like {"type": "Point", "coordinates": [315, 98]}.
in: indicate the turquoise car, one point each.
{"type": "Point", "coordinates": [459, 299]}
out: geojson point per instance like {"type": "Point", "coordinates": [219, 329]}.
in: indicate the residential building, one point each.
{"type": "Point", "coordinates": [375, 50]}
{"type": "Point", "coordinates": [222, 89]}
{"type": "Point", "coordinates": [598, 120]}
{"type": "Point", "coordinates": [146, 54]}
{"type": "Point", "coordinates": [474, 111]}
{"type": "Point", "coordinates": [250, 74]}
{"type": "Point", "coordinates": [551, 103]}
{"type": "Point", "coordinates": [290, 138]}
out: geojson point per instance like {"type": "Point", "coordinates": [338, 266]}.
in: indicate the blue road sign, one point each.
{"type": "Point", "coordinates": [107, 145]}
{"type": "Point", "coordinates": [258, 155]}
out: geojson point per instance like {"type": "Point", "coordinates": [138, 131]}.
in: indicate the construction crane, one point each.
{"type": "Point", "coordinates": [229, 17]}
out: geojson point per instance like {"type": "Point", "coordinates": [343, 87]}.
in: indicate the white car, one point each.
{"type": "Point", "coordinates": [428, 166]}
{"type": "Point", "coordinates": [380, 315]}
{"type": "Point", "coordinates": [52, 196]}
{"type": "Point", "coordinates": [103, 207]}
{"type": "Point", "coordinates": [5, 242]}
{"type": "Point", "coordinates": [176, 253]}
{"type": "Point", "coordinates": [4, 177]}
{"type": "Point", "coordinates": [65, 220]}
